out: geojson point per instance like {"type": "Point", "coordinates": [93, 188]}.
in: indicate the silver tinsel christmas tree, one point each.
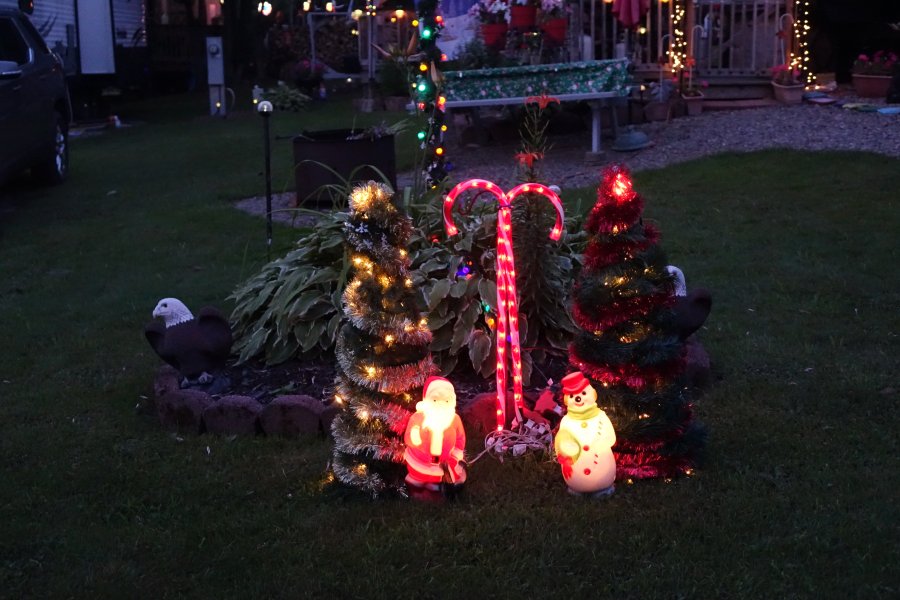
{"type": "Point", "coordinates": [382, 351]}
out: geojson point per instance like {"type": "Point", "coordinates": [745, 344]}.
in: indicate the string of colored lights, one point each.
{"type": "Point", "coordinates": [429, 100]}
{"type": "Point", "coordinates": [507, 298]}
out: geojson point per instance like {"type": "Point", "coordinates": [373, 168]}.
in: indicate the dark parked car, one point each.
{"type": "Point", "coordinates": [34, 103]}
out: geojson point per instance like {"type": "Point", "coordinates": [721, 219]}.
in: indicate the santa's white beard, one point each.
{"type": "Point", "coordinates": [438, 418]}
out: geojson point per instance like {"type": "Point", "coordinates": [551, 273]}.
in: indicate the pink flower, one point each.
{"type": "Point", "coordinates": [862, 58]}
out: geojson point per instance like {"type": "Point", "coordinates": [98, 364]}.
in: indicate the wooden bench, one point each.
{"type": "Point", "coordinates": [594, 82]}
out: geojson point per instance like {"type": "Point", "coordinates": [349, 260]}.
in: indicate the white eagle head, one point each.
{"type": "Point", "coordinates": [172, 311]}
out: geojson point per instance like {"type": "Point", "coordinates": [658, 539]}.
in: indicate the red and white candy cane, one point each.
{"type": "Point", "coordinates": [507, 299]}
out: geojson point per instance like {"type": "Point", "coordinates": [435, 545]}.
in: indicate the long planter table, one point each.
{"type": "Point", "coordinates": [592, 81]}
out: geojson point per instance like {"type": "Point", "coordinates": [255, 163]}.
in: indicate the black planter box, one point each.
{"type": "Point", "coordinates": [332, 148]}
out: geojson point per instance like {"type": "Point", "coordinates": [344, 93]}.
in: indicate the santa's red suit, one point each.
{"type": "Point", "coordinates": [427, 456]}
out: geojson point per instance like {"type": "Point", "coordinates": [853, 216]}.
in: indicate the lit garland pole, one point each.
{"type": "Point", "coordinates": [429, 100]}
{"type": "Point", "coordinates": [507, 302]}
{"type": "Point", "coordinates": [678, 55]}
{"type": "Point", "coordinates": [801, 34]}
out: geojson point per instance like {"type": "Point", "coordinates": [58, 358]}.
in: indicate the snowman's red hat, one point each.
{"type": "Point", "coordinates": [574, 383]}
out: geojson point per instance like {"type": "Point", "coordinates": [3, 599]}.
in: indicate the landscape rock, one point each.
{"type": "Point", "coordinates": [182, 410]}
{"type": "Point", "coordinates": [327, 416]}
{"type": "Point", "coordinates": [292, 416]}
{"type": "Point", "coordinates": [232, 415]}
{"type": "Point", "coordinates": [480, 415]}
{"type": "Point", "coordinates": [166, 381]}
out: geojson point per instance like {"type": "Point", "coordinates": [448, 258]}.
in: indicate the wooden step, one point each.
{"type": "Point", "coordinates": [738, 103]}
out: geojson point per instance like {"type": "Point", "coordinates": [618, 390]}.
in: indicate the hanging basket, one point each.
{"type": "Point", "coordinates": [494, 34]}
{"type": "Point", "coordinates": [555, 30]}
{"type": "Point", "coordinates": [871, 86]}
{"type": "Point", "coordinates": [522, 17]}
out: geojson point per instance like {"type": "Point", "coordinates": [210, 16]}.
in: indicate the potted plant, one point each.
{"type": "Point", "coordinates": [307, 75]}
{"type": "Point", "coordinates": [689, 90]}
{"type": "Point", "coordinates": [786, 84]}
{"type": "Point", "coordinates": [554, 21]}
{"type": "Point", "coordinates": [523, 13]}
{"type": "Point", "coordinates": [659, 107]}
{"type": "Point", "coordinates": [492, 15]}
{"type": "Point", "coordinates": [395, 75]}
{"type": "Point", "coordinates": [327, 157]}
{"type": "Point", "coordinates": [872, 75]}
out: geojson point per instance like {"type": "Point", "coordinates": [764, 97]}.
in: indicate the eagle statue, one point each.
{"type": "Point", "coordinates": [691, 308]}
{"type": "Point", "coordinates": [197, 347]}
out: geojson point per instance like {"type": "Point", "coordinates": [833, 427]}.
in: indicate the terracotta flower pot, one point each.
{"type": "Point", "coordinates": [494, 34]}
{"type": "Point", "coordinates": [522, 17]}
{"type": "Point", "coordinates": [555, 30]}
{"type": "Point", "coordinates": [871, 86]}
{"type": "Point", "coordinates": [788, 94]}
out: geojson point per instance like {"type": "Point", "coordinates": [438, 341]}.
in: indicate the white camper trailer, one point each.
{"type": "Point", "coordinates": [88, 34]}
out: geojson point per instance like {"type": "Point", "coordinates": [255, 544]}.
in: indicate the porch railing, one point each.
{"type": "Point", "coordinates": [725, 37]}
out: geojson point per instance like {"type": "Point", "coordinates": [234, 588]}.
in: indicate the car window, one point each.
{"type": "Point", "coordinates": [12, 45]}
{"type": "Point", "coordinates": [37, 42]}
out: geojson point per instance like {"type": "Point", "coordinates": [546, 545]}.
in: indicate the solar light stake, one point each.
{"type": "Point", "coordinates": [265, 110]}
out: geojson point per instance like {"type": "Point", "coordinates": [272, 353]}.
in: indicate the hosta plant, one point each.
{"type": "Point", "coordinates": [292, 306]}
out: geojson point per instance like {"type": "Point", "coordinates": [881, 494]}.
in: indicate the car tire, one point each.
{"type": "Point", "coordinates": [54, 169]}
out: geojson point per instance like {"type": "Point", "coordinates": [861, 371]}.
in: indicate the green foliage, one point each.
{"type": "Point", "coordinates": [475, 55]}
{"type": "Point", "coordinates": [286, 97]}
{"type": "Point", "coordinates": [455, 305]}
{"type": "Point", "coordinates": [293, 305]}
{"type": "Point", "coordinates": [394, 78]}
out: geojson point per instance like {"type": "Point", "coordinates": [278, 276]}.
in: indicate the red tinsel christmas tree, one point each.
{"type": "Point", "coordinates": [628, 343]}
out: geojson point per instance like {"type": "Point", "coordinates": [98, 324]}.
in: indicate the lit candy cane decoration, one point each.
{"type": "Point", "coordinates": [507, 301]}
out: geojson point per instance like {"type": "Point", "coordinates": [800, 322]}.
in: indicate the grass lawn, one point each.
{"type": "Point", "coordinates": [798, 497]}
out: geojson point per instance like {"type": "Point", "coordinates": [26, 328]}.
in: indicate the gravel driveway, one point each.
{"type": "Point", "coordinates": [801, 127]}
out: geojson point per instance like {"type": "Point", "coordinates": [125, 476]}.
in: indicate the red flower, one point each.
{"type": "Point", "coordinates": [527, 158]}
{"type": "Point", "coordinates": [542, 101]}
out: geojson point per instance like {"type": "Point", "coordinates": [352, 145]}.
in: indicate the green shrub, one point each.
{"type": "Point", "coordinates": [287, 98]}
{"type": "Point", "coordinates": [292, 307]}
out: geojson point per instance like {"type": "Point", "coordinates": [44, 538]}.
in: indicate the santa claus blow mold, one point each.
{"type": "Point", "coordinates": [584, 440]}
{"type": "Point", "coordinates": [435, 439]}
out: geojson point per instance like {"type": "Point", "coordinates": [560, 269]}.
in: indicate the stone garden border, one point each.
{"type": "Point", "coordinates": [195, 411]}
